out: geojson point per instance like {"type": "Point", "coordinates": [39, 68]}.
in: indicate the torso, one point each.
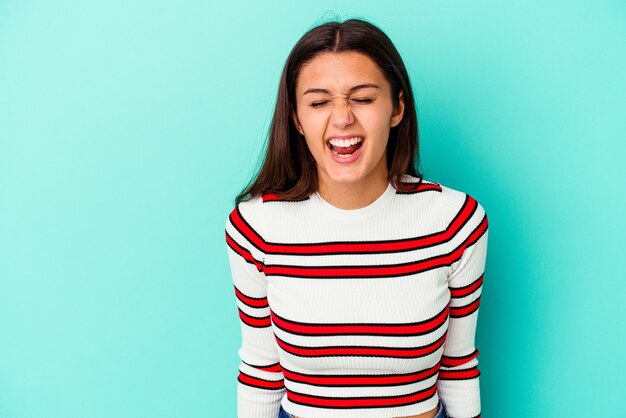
{"type": "Point", "coordinates": [323, 276]}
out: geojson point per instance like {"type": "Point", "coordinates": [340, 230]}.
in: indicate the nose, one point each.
{"type": "Point", "coordinates": [342, 115]}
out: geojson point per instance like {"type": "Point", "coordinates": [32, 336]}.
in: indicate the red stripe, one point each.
{"type": "Point", "coordinates": [251, 235]}
{"type": "Point", "coordinates": [464, 310]}
{"type": "Point", "coordinates": [461, 292]}
{"type": "Point", "coordinates": [371, 402]}
{"type": "Point", "coordinates": [250, 301]}
{"type": "Point", "coordinates": [246, 230]}
{"type": "Point", "coordinates": [365, 271]}
{"type": "Point", "coordinates": [478, 232]}
{"type": "Point", "coordinates": [260, 383]}
{"type": "Point", "coordinates": [274, 368]}
{"type": "Point", "coordinates": [253, 321]}
{"type": "Point", "coordinates": [361, 380]}
{"type": "Point", "coordinates": [447, 361]}
{"type": "Point", "coordinates": [269, 368]}
{"type": "Point", "coordinates": [274, 197]}
{"type": "Point", "coordinates": [379, 271]}
{"type": "Point", "coordinates": [417, 328]}
{"type": "Point", "coordinates": [243, 252]}
{"type": "Point", "coordinates": [429, 186]}
{"type": "Point", "coordinates": [409, 352]}
{"type": "Point", "coordinates": [419, 187]}
{"type": "Point", "coordinates": [459, 374]}
{"type": "Point", "coordinates": [270, 197]}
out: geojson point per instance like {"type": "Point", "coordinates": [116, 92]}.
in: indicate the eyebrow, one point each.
{"type": "Point", "coordinates": [353, 89]}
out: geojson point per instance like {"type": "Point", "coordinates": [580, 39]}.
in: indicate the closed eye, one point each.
{"type": "Point", "coordinates": [319, 104]}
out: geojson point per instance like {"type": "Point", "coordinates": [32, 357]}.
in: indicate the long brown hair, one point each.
{"type": "Point", "coordinates": [288, 169]}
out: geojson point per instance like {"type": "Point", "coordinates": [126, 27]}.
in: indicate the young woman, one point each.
{"type": "Point", "coordinates": [358, 282]}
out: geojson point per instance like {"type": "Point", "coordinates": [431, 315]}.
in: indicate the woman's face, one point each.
{"type": "Point", "coordinates": [346, 95]}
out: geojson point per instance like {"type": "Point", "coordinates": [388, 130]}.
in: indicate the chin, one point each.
{"type": "Point", "coordinates": [346, 178]}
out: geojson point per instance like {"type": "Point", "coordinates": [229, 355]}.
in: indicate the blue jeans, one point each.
{"type": "Point", "coordinates": [441, 412]}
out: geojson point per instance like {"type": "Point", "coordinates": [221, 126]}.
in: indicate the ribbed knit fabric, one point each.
{"type": "Point", "coordinates": [363, 313]}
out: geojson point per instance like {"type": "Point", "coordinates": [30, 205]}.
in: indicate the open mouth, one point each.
{"type": "Point", "coordinates": [345, 148]}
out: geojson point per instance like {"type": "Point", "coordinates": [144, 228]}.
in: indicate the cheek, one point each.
{"type": "Point", "coordinates": [375, 117]}
{"type": "Point", "coordinates": [377, 124]}
{"type": "Point", "coordinates": [313, 125]}
{"type": "Point", "coordinates": [316, 148]}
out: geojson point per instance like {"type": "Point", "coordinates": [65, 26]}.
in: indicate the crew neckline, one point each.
{"type": "Point", "coordinates": [354, 214]}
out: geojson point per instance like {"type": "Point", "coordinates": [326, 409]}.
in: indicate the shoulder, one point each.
{"type": "Point", "coordinates": [251, 209]}
{"type": "Point", "coordinates": [244, 229]}
{"type": "Point", "coordinates": [258, 216]}
{"type": "Point", "coordinates": [413, 185]}
{"type": "Point", "coordinates": [446, 198]}
{"type": "Point", "coordinates": [470, 210]}
{"type": "Point", "coordinates": [273, 197]}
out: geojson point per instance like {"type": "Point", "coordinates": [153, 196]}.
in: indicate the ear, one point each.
{"type": "Point", "coordinates": [296, 122]}
{"type": "Point", "coordinates": [396, 117]}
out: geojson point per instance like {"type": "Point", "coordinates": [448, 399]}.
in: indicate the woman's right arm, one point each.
{"type": "Point", "coordinates": [260, 387]}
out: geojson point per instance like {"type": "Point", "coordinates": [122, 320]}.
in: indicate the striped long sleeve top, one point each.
{"type": "Point", "coordinates": [369, 312]}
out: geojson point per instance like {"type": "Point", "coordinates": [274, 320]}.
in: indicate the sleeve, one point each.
{"type": "Point", "coordinates": [260, 386]}
{"type": "Point", "coordinates": [458, 383]}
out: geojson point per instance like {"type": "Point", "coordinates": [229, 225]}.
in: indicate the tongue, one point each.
{"type": "Point", "coordinates": [346, 150]}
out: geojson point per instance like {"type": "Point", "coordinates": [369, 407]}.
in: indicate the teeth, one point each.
{"type": "Point", "coordinates": [345, 142]}
{"type": "Point", "coordinates": [342, 155]}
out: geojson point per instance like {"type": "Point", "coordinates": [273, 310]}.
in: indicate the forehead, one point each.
{"type": "Point", "coordinates": [338, 72]}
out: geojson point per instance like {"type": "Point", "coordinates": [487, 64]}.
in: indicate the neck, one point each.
{"type": "Point", "coordinates": [353, 196]}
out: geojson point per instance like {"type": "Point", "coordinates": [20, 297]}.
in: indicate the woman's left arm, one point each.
{"type": "Point", "coordinates": [458, 383]}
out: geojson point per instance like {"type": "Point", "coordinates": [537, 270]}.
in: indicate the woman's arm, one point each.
{"type": "Point", "coordinates": [458, 384]}
{"type": "Point", "coordinates": [260, 386]}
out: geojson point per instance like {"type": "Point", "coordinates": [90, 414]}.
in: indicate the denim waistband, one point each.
{"type": "Point", "coordinates": [441, 412]}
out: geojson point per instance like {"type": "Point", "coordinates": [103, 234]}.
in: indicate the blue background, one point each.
{"type": "Point", "coordinates": [127, 129]}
